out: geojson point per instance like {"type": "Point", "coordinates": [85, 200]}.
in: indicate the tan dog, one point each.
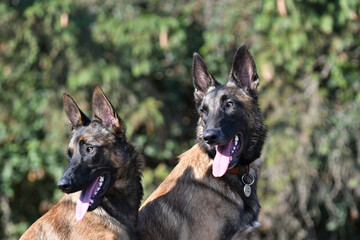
{"type": "Point", "coordinates": [106, 169]}
{"type": "Point", "coordinates": [211, 193]}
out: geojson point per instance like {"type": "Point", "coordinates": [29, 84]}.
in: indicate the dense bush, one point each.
{"type": "Point", "coordinates": [307, 54]}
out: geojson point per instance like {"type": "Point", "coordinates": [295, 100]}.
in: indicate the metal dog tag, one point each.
{"type": "Point", "coordinates": [247, 190]}
{"type": "Point", "coordinates": [247, 186]}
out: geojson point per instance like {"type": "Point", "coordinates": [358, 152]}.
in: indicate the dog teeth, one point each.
{"type": "Point", "coordinates": [235, 145]}
{"type": "Point", "coordinates": [236, 140]}
{"type": "Point", "coordinates": [101, 181]}
{"type": "Point", "coordinates": [91, 201]}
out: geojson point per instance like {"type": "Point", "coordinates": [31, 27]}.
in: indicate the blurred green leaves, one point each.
{"type": "Point", "coordinates": [141, 55]}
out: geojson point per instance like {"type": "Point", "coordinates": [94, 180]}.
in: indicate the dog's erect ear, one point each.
{"type": "Point", "coordinates": [104, 111]}
{"type": "Point", "coordinates": [202, 78]}
{"type": "Point", "coordinates": [75, 115]}
{"type": "Point", "coordinates": [243, 72]}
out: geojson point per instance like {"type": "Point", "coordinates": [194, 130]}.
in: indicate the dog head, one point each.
{"type": "Point", "coordinates": [95, 152]}
{"type": "Point", "coordinates": [230, 127]}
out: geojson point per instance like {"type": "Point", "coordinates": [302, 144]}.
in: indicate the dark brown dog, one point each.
{"type": "Point", "coordinates": [211, 193]}
{"type": "Point", "coordinates": [106, 169]}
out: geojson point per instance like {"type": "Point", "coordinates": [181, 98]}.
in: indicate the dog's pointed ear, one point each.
{"type": "Point", "coordinates": [243, 72]}
{"type": "Point", "coordinates": [104, 111]}
{"type": "Point", "coordinates": [75, 115]}
{"type": "Point", "coordinates": [202, 78]}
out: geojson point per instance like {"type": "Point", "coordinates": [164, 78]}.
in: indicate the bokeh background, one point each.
{"type": "Point", "coordinates": [140, 52]}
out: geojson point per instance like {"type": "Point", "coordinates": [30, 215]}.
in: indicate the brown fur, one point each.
{"type": "Point", "coordinates": [205, 207]}
{"type": "Point", "coordinates": [59, 223]}
{"type": "Point", "coordinates": [115, 208]}
{"type": "Point", "coordinates": [193, 204]}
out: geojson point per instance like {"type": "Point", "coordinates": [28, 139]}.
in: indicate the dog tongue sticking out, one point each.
{"type": "Point", "coordinates": [222, 159]}
{"type": "Point", "coordinates": [84, 200]}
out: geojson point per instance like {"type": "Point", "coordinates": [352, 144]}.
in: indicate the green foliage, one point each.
{"type": "Point", "coordinates": [141, 55]}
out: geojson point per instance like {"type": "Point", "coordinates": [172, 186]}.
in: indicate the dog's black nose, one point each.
{"type": "Point", "coordinates": [64, 184]}
{"type": "Point", "coordinates": [210, 136]}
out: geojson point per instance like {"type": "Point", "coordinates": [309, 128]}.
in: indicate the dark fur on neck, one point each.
{"type": "Point", "coordinates": [123, 200]}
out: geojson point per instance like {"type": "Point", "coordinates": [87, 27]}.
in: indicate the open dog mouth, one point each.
{"type": "Point", "coordinates": [92, 195]}
{"type": "Point", "coordinates": [227, 155]}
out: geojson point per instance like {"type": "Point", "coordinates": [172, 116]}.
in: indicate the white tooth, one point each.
{"type": "Point", "coordinates": [101, 178]}
{"type": "Point", "coordinates": [100, 184]}
{"type": "Point", "coordinates": [236, 138]}
{"type": "Point", "coordinates": [91, 201]}
{"type": "Point", "coordinates": [234, 148]}
{"type": "Point", "coordinates": [95, 193]}
{"type": "Point", "coordinates": [98, 188]}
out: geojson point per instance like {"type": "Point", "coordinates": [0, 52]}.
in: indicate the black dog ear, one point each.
{"type": "Point", "coordinates": [104, 111]}
{"type": "Point", "coordinates": [202, 78]}
{"type": "Point", "coordinates": [75, 115]}
{"type": "Point", "coordinates": [243, 72]}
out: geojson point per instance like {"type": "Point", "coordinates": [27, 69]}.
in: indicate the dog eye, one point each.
{"type": "Point", "coordinates": [230, 104]}
{"type": "Point", "coordinates": [89, 149]}
{"type": "Point", "coordinates": [203, 111]}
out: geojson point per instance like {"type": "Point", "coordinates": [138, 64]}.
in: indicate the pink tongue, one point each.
{"type": "Point", "coordinates": [84, 200]}
{"type": "Point", "coordinates": [222, 159]}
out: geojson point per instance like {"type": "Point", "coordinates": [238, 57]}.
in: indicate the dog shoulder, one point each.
{"type": "Point", "coordinates": [55, 224]}
{"type": "Point", "coordinates": [193, 163]}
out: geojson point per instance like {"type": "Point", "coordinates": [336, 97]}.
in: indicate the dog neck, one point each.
{"type": "Point", "coordinates": [239, 170]}
{"type": "Point", "coordinates": [123, 200]}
